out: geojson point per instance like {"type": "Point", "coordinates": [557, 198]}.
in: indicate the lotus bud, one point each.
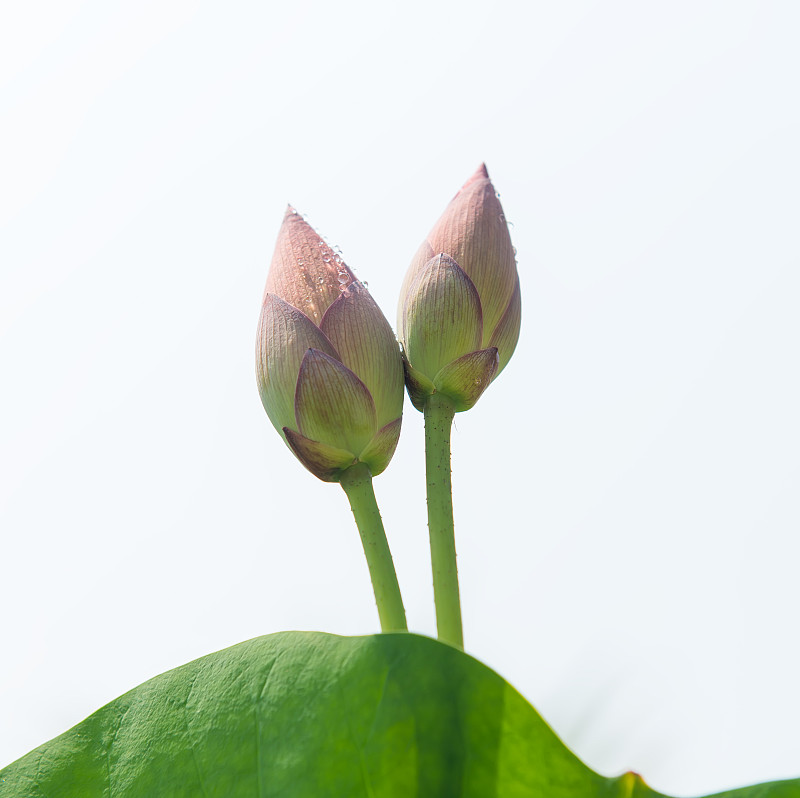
{"type": "Point", "coordinates": [460, 307]}
{"type": "Point", "coordinates": [328, 367]}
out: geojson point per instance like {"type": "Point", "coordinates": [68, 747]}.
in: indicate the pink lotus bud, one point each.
{"type": "Point", "coordinates": [328, 367]}
{"type": "Point", "coordinates": [460, 307]}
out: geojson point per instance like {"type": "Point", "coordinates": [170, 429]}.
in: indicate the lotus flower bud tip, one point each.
{"type": "Point", "coordinates": [460, 307]}
{"type": "Point", "coordinates": [328, 367]}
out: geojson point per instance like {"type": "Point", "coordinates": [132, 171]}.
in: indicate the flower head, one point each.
{"type": "Point", "coordinates": [460, 307]}
{"type": "Point", "coordinates": [328, 366]}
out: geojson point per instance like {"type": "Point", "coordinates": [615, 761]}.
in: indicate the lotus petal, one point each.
{"type": "Point", "coordinates": [355, 325]}
{"type": "Point", "coordinates": [285, 334]}
{"type": "Point", "coordinates": [465, 379]}
{"type": "Point", "coordinates": [506, 334]}
{"type": "Point", "coordinates": [305, 271]}
{"type": "Point", "coordinates": [332, 405]}
{"type": "Point", "coordinates": [418, 263]}
{"type": "Point", "coordinates": [474, 232]}
{"type": "Point", "coordinates": [443, 316]}
{"type": "Point", "coordinates": [419, 386]}
{"type": "Point", "coordinates": [380, 449]}
{"type": "Point", "coordinates": [323, 461]}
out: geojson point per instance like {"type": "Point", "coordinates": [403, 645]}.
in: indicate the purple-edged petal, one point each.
{"type": "Point", "coordinates": [418, 263]}
{"type": "Point", "coordinates": [419, 386]}
{"type": "Point", "coordinates": [506, 334]}
{"type": "Point", "coordinates": [473, 230]}
{"type": "Point", "coordinates": [305, 271]}
{"type": "Point", "coordinates": [284, 336]}
{"type": "Point", "coordinates": [323, 461]}
{"type": "Point", "coordinates": [465, 379]}
{"type": "Point", "coordinates": [380, 449]}
{"type": "Point", "coordinates": [442, 318]}
{"type": "Point", "coordinates": [366, 344]}
{"type": "Point", "coordinates": [332, 405]}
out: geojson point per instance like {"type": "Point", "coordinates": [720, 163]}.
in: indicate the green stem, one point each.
{"type": "Point", "coordinates": [357, 484]}
{"type": "Point", "coordinates": [439, 412]}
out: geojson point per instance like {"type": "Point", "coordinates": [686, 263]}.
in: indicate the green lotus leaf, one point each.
{"type": "Point", "coordinates": [301, 714]}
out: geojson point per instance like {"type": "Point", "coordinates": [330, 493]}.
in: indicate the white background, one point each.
{"type": "Point", "coordinates": [626, 492]}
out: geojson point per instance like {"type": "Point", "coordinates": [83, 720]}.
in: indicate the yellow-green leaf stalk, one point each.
{"type": "Point", "coordinates": [458, 320]}
{"type": "Point", "coordinates": [330, 377]}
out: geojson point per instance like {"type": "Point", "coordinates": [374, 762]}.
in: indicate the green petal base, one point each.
{"type": "Point", "coordinates": [310, 714]}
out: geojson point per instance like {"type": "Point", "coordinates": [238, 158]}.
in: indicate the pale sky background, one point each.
{"type": "Point", "coordinates": [626, 493]}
